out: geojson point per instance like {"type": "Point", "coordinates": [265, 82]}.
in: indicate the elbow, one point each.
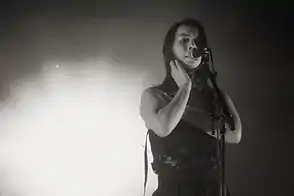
{"type": "Point", "coordinates": [233, 140]}
{"type": "Point", "coordinates": [160, 129]}
{"type": "Point", "coordinates": [162, 134]}
{"type": "Point", "coordinates": [164, 131]}
{"type": "Point", "coordinates": [237, 137]}
{"type": "Point", "coordinates": [237, 133]}
{"type": "Point", "coordinates": [233, 137]}
{"type": "Point", "coordinates": [237, 140]}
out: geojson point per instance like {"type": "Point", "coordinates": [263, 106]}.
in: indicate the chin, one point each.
{"type": "Point", "coordinates": [193, 65]}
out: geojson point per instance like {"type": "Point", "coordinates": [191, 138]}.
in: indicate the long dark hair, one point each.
{"type": "Point", "coordinates": [168, 44]}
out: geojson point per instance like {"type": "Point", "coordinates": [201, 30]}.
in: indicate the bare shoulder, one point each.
{"type": "Point", "coordinates": [152, 99]}
{"type": "Point", "coordinates": [154, 94]}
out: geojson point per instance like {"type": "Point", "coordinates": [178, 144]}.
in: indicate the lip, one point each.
{"type": "Point", "coordinates": [192, 58]}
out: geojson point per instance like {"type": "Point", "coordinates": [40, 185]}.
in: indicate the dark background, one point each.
{"type": "Point", "coordinates": [252, 47]}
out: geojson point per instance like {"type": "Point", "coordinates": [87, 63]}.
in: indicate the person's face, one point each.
{"type": "Point", "coordinates": [183, 44]}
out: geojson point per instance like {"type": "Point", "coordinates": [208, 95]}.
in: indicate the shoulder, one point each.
{"type": "Point", "coordinates": [152, 99]}
{"type": "Point", "coordinates": [149, 94]}
{"type": "Point", "coordinates": [154, 93]}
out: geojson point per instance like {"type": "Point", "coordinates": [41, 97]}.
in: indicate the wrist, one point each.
{"type": "Point", "coordinates": [187, 85]}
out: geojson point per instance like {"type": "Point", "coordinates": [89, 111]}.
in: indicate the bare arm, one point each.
{"type": "Point", "coordinates": [190, 114]}
{"type": "Point", "coordinates": [198, 119]}
{"type": "Point", "coordinates": [160, 116]}
{"type": "Point", "coordinates": [163, 116]}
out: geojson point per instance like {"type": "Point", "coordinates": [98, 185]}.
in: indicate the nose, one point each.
{"type": "Point", "coordinates": [192, 45]}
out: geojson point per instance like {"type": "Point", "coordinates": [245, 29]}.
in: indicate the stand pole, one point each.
{"type": "Point", "coordinates": [220, 131]}
{"type": "Point", "coordinates": [221, 117]}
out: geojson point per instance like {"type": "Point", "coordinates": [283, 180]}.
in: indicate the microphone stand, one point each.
{"type": "Point", "coordinates": [221, 117]}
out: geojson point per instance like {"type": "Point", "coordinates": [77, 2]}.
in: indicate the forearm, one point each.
{"type": "Point", "coordinates": [198, 119]}
{"type": "Point", "coordinates": [172, 113]}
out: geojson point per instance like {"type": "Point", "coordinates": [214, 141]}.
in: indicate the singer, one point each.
{"type": "Point", "coordinates": [178, 116]}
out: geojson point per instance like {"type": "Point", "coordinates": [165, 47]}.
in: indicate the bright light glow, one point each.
{"type": "Point", "coordinates": [73, 135]}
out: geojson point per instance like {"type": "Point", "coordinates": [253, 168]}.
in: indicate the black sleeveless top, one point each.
{"type": "Point", "coordinates": [187, 142]}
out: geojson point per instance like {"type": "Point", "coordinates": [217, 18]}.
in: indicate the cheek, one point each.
{"type": "Point", "coordinates": [179, 51]}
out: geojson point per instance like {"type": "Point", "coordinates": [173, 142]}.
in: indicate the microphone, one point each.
{"type": "Point", "coordinates": [199, 52]}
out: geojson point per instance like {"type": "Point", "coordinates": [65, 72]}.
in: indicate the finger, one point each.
{"type": "Point", "coordinates": [179, 66]}
{"type": "Point", "coordinates": [173, 65]}
{"type": "Point", "coordinates": [176, 63]}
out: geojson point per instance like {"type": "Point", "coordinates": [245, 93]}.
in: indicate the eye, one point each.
{"type": "Point", "coordinates": [185, 40]}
